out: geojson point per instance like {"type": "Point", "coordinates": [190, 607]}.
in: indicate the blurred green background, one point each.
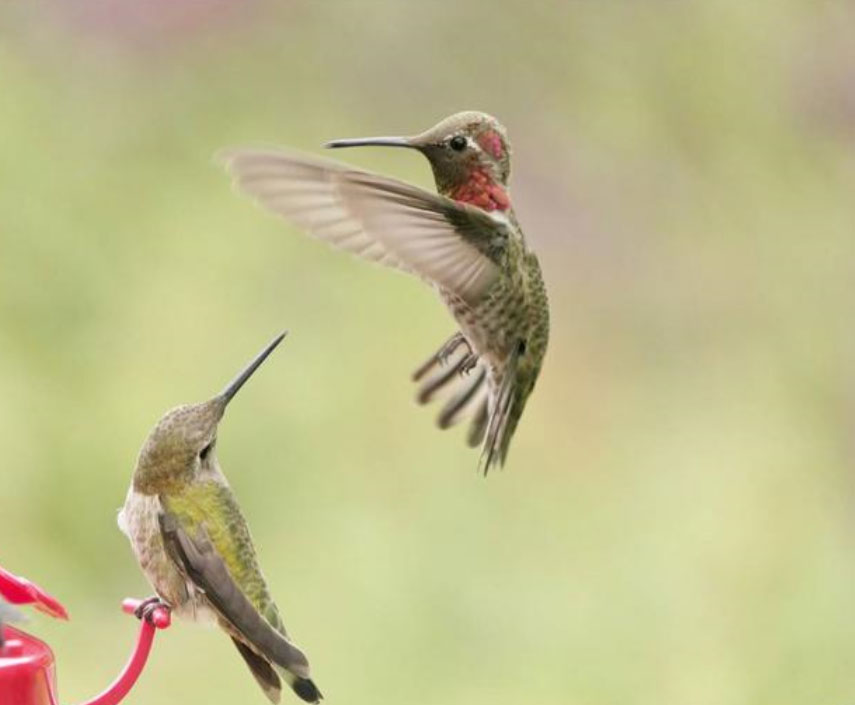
{"type": "Point", "coordinates": [675, 524]}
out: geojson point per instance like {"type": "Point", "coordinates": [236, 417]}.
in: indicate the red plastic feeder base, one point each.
{"type": "Point", "coordinates": [27, 674]}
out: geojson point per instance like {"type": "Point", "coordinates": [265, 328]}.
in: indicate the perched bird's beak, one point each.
{"type": "Point", "coordinates": [227, 394]}
{"type": "Point", "coordinates": [373, 142]}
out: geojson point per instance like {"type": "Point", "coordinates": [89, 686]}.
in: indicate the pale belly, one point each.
{"type": "Point", "coordinates": [485, 340]}
{"type": "Point", "coordinates": [138, 520]}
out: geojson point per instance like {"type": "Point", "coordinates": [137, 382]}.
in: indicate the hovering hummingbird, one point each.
{"type": "Point", "coordinates": [466, 242]}
{"type": "Point", "coordinates": [194, 546]}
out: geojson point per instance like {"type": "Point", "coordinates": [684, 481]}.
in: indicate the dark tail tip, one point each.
{"type": "Point", "coordinates": [307, 690]}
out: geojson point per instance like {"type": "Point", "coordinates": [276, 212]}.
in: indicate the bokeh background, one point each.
{"type": "Point", "coordinates": [675, 524]}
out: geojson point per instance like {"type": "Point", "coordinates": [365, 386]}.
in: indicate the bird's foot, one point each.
{"type": "Point", "coordinates": [450, 345]}
{"type": "Point", "coordinates": [468, 363]}
{"type": "Point", "coordinates": [146, 609]}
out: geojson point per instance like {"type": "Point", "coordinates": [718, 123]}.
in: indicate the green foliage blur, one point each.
{"type": "Point", "coordinates": [675, 523]}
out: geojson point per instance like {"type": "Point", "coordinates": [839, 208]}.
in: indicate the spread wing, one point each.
{"type": "Point", "coordinates": [454, 245]}
{"type": "Point", "coordinates": [199, 560]}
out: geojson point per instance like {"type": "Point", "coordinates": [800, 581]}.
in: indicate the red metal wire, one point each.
{"type": "Point", "coordinates": [120, 687]}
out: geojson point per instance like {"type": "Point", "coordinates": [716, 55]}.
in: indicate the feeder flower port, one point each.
{"type": "Point", "coordinates": [27, 668]}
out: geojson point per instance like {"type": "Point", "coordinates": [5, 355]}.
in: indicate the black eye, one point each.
{"type": "Point", "coordinates": [204, 452]}
{"type": "Point", "coordinates": [457, 143]}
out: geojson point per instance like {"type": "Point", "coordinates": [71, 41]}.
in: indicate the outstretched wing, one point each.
{"type": "Point", "coordinates": [454, 245]}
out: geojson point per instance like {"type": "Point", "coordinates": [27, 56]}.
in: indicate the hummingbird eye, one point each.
{"type": "Point", "coordinates": [206, 450]}
{"type": "Point", "coordinates": [457, 143]}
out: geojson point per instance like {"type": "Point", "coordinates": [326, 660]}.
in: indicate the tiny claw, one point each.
{"type": "Point", "coordinates": [448, 348]}
{"type": "Point", "coordinates": [138, 610]}
{"type": "Point", "coordinates": [148, 608]}
{"type": "Point", "coordinates": [148, 613]}
{"type": "Point", "coordinates": [468, 364]}
{"type": "Point", "coordinates": [159, 615]}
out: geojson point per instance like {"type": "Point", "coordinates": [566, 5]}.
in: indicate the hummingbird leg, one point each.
{"type": "Point", "coordinates": [468, 363]}
{"type": "Point", "coordinates": [441, 356]}
{"type": "Point", "coordinates": [146, 608]}
{"type": "Point", "coordinates": [450, 345]}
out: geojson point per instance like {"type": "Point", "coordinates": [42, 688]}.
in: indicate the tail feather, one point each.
{"type": "Point", "coordinates": [268, 677]}
{"type": "Point", "coordinates": [505, 409]}
{"type": "Point", "coordinates": [499, 427]}
{"type": "Point", "coordinates": [306, 689]}
{"type": "Point", "coordinates": [262, 670]}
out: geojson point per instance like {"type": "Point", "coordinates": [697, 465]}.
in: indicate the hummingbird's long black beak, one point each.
{"type": "Point", "coordinates": [371, 142]}
{"type": "Point", "coordinates": [229, 392]}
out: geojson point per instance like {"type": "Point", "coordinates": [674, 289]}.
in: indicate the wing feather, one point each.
{"type": "Point", "coordinates": [199, 560]}
{"type": "Point", "coordinates": [453, 245]}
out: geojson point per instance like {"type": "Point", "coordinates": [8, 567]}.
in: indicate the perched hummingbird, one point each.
{"type": "Point", "coordinates": [194, 545]}
{"type": "Point", "coordinates": [466, 242]}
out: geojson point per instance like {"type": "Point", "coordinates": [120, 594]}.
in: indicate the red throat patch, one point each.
{"type": "Point", "coordinates": [491, 142]}
{"type": "Point", "coordinates": [483, 192]}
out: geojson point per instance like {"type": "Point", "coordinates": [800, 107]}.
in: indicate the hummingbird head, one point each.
{"type": "Point", "coordinates": [469, 153]}
{"type": "Point", "coordinates": [181, 446]}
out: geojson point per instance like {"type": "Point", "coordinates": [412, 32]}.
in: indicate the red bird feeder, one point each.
{"type": "Point", "coordinates": [27, 669]}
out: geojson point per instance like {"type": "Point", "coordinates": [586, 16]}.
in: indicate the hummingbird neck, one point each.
{"type": "Point", "coordinates": [481, 190]}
